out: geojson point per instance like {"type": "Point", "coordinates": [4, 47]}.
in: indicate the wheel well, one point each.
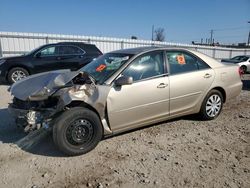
{"type": "Point", "coordinates": [21, 66]}
{"type": "Point", "coordinates": [82, 104]}
{"type": "Point", "coordinates": [223, 92]}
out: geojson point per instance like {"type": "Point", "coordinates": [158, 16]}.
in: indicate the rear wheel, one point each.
{"type": "Point", "coordinates": [77, 131]}
{"type": "Point", "coordinates": [212, 105]}
{"type": "Point", "coordinates": [16, 74]}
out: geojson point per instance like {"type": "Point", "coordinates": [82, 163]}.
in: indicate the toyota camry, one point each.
{"type": "Point", "coordinates": [120, 91]}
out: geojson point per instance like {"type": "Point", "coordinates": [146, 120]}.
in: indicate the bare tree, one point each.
{"type": "Point", "coordinates": [134, 37]}
{"type": "Point", "coordinates": [160, 34]}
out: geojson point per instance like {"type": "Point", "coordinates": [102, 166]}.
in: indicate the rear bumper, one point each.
{"type": "Point", "coordinates": [234, 90]}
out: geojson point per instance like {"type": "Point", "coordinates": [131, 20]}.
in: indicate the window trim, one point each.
{"type": "Point", "coordinates": [58, 50]}
{"type": "Point", "coordinates": [188, 53]}
{"type": "Point", "coordinates": [165, 72]}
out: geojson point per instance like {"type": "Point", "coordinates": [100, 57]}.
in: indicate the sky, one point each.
{"type": "Point", "coordinates": [183, 20]}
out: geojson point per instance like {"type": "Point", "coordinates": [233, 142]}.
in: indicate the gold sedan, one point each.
{"type": "Point", "coordinates": [123, 90]}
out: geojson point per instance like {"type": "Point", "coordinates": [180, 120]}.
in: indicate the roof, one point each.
{"type": "Point", "coordinates": [136, 50]}
{"type": "Point", "coordinates": [75, 43]}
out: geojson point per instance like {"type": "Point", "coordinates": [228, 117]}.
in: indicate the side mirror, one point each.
{"type": "Point", "coordinates": [38, 55]}
{"type": "Point", "coordinates": [124, 80]}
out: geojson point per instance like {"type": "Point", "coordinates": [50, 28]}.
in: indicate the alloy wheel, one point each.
{"type": "Point", "coordinates": [18, 75]}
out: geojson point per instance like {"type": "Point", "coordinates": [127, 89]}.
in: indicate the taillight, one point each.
{"type": "Point", "coordinates": [240, 71]}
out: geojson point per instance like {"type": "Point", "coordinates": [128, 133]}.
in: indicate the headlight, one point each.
{"type": "Point", "coordinates": [2, 61]}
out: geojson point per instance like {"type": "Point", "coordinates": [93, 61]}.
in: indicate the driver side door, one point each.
{"type": "Point", "coordinates": [47, 60]}
{"type": "Point", "coordinates": [146, 100]}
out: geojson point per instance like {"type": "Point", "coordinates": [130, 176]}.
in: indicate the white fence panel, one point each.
{"type": "Point", "coordinates": [13, 43]}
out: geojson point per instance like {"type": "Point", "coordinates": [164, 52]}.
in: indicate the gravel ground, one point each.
{"type": "Point", "coordinates": [180, 153]}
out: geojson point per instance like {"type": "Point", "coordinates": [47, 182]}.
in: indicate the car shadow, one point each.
{"type": "Point", "coordinates": [4, 83]}
{"type": "Point", "coordinates": [11, 134]}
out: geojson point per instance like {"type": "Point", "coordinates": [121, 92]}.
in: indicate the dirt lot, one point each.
{"type": "Point", "coordinates": [180, 153]}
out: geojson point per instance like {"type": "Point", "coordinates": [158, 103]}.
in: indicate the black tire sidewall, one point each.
{"type": "Point", "coordinates": [13, 70]}
{"type": "Point", "coordinates": [65, 119]}
{"type": "Point", "coordinates": [203, 113]}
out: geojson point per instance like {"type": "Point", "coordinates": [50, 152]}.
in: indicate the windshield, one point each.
{"type": "Point", "coordinates": [105, 66]}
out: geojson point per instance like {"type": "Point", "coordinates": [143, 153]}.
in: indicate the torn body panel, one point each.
{"type": "Point", "coordinates": [51, 93]}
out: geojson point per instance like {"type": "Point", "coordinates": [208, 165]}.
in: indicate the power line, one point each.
{"type": "Point", "coordinates": [232, 28]}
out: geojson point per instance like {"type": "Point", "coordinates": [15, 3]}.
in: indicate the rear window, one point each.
{"type": "Point", "coordinates": [70, 50]}
{"type": "Point", "coordinates": [91, 49]}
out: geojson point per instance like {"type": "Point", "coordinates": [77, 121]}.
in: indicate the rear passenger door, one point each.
{"type": "Point", "coordinates": [70, 57]}
{"type": "Point", "coordinates": [189, 78]}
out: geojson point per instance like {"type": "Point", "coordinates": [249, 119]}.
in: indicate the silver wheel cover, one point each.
{"type": "Point", "coordinates": [213, 105]}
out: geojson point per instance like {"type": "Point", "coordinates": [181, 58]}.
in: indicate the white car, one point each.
{"type": "Point", "coordinates": [243, 61]}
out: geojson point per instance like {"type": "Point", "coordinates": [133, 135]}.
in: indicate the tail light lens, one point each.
{"type": "Point", "coordinates": [240, 71]}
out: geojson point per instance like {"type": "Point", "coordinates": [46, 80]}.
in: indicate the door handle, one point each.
{"type": "Point", "coordinates": [162, 85]}
{"type": "Point", "coordinates": [207, 75]}
{"type": "Point", "coordinates": [58, 58]}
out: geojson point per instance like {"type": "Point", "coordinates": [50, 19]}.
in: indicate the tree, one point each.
{"type": "Point", "coordinates": [134, 37]}
{"type": "Point", "coordinates": [160, 34]}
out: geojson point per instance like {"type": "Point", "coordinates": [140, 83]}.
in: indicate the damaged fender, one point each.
{"type": "Point", "coordinates": [65, 85]}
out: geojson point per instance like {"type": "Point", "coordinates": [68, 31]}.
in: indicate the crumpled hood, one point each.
{"type": "Point", "coordinates": [41, 85]}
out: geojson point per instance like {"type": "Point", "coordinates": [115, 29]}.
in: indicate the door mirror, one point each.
{"type": "Point", "coordinates": [38, 55]}
{"type": "Point", "coordinates": [124, 80]}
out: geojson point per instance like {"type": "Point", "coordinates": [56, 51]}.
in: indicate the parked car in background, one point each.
{"type": "Point", "coordinates": [120, 91]}
{"type": "Point", "coordinates": [243, 61]}
{"type": "Point", "coordinates": [63, 55]}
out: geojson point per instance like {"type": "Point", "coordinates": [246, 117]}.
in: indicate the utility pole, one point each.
{"type": "Point", "coordinates": [211, 36]}
{"type": "Point", "coordinates": [153, 30]}
{"type": "Point", "coordinates": [248, 41]}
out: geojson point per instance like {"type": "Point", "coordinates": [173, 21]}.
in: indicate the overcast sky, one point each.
{"type": "Point", "coordinates": [183, 20]}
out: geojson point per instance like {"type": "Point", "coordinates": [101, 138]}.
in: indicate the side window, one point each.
{"type": "Point", "coordinates": [146, 66]}
{"type": "Point", "coordinates": [181, 62]}
{"type": "Point", "coordinates": [50, 51]}
{"type": "Point", "coordinates": [202, 65]}
{"type": "Point", "coordinates": [70, 50]}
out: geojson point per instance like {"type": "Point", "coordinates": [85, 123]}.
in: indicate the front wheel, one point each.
{"type": "Point", "coordinates": [77, 131]}
{"type": "Point", "coordinates": [212, 105]}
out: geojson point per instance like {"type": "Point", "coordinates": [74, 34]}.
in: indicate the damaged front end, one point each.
{"type": "Point", "coordinates": [39, 99]}
{"type": "Point", "coordinates": [32, 115]}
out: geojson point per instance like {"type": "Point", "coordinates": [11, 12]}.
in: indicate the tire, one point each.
{"type": "Point", "coordinates": [212, 105]}
{"type": "Point", "coordinates": [16, 74]}
{"type": "Point", "coordinates": [243, 69]}
{"type": "Point", "coordinates": [77, 131]}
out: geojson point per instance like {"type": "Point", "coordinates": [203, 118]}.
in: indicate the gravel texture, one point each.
{"type": "Point", "coordinates": [183, 152]}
